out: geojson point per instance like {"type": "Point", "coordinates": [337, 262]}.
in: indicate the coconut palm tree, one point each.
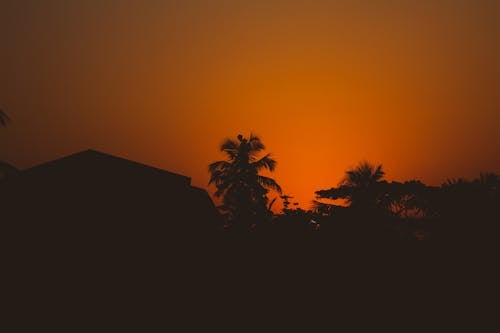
{"type": "Point", "coordinates": [364, 175]}
{"type": "Point", "coordinates": [360, 186]}
{"type": "Point", "coordinates": [238, 182]}
{"type": "Point", "coordinates": [361, 183]}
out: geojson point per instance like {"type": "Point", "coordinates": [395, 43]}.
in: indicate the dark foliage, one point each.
{"type": "Point", "coordinates": [458, 210]}
{"type": "Point", "coordinates": [243, 190]}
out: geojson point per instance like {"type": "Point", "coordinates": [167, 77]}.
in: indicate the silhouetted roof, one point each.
{"type": "Point", "coordinates": [94, 187]}
{"type": "Point", "coordinates": [93, 217]}
{"type": "Point", "coordinates": [93, 159]}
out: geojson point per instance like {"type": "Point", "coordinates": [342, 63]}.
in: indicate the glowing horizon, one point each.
{"type": "Point", "coordinates": [412, 86]}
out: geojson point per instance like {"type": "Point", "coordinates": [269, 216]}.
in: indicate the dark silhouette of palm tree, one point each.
{"type": "Point", "coordinates": [238, 182]}
{"type": "Point", "coordinates": [364, 176]}
{"type": "Point", "coordinates": [364, 189]}
{"type": "Point", "coordinates": [360, 186]}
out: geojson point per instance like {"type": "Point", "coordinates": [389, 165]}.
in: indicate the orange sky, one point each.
{"type": "Point", "coordinates": [414, 85]}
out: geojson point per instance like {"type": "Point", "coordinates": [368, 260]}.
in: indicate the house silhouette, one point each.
{"type": "Point", "coordinates": [92, 200]}
{"type": "Point", "coordinates": [91, 236]}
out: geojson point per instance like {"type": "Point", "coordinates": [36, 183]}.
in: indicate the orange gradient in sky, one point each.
{"type": "Point", "coordinates": [412, 85]}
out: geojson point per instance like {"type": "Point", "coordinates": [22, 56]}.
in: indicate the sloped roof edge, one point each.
{"type": "Point", "coordinates": [91, 153]}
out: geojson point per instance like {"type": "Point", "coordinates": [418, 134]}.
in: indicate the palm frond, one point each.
{"type": "Point", "coordinates": [365, 174]}
{"type": "Point", "coordinates": [270, 206]}
{"type": "Point", "coordinates": [265, 162]}
{"type": "Point", "coordinates": [379, 173]}
{"type": "Point", "coordinates": [219, 165]}
{"type": "Point", "coordinates": [215, 177]}
{"type": "Point", "coordinates": [269, 183]}
{"type": "Point", "coordinates": [229, 144]}
{"type": "Point", "coordinates": [230, 147]}
{"type": "Point", "coordinates": [222, 186]}
{"type": "Point", "coordinates": [219, 176]}
{"type": "Point", "coordinates": [255, 144]}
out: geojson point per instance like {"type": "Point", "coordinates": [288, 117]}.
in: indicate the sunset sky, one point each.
{"type": "Point", "coordinates": [413, 85]}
